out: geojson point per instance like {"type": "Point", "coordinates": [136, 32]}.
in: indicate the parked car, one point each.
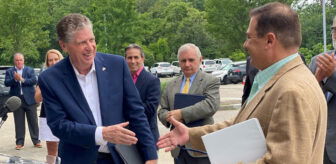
{"type": "Point", "coordinates": [222, 72]}
{"type": "Point", "coordinates": [146, 68]}
{"type": "Point", "coordinates": [222, 62]}
{"type": "Point", "coordinates": [37, 72]}
{"type": "Point", "coordinates": [4, 91]}
{"type": "Point", "coordinates": [176, 68]}
{"type": "Point", "coordinates": [208, 66]}
{"type": "Point", "coordinates": [237, 73]}
{"type": "Point", "coordinates": [162, 69]}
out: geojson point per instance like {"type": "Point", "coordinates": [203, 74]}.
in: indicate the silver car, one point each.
{"type": "Point", "coordinates": [208, 66]}
{"type": "Point", "coordinates": [162, 69]}
{"type": "Point", "coordinates": [176, 68]}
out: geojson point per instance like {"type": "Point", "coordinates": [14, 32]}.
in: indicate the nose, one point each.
{"type": "Point", "coordinates": [90, 45]}
{"type": "Point", "coordinates": [244, 45]}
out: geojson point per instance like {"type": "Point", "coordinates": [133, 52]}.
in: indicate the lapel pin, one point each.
{"type": "Point", "coordinates": [104, 68]}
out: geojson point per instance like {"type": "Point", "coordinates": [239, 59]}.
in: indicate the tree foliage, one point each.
{"type": "Point", "coordinates": [160, 26]}
{"type": "Point", "coordinates": [22, 29]}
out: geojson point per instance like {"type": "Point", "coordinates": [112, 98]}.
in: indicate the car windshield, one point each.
{"type": "Point", "coordinates": [165, 65]}
{"type": "Point", "coordinates": [175, 64]}
{"type": "Point", "coordinates": [226, 67]}
{"type": "Point", "coordinates": [226, 61]}
{"type": "Point", "coordinates": [209, 62]}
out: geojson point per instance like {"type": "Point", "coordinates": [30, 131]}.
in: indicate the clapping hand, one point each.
{"type": "Point", "coordinates": [326, 66]}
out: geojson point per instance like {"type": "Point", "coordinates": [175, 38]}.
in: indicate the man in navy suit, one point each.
{"type": "Point", "coordinates": [21, 80]}
{"type": "Point", "coordinates": [91, 102]}
{"type": "Point", "coordinates": [148, 85]}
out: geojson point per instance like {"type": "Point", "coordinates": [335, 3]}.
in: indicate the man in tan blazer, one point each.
{"type": "Point", "coordinates": [289, 105]}
{"type": "Point", "coordinates": [200, 83]}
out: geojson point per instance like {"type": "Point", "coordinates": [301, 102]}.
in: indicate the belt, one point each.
{"type": "Point", "coordinates": [104, 156]}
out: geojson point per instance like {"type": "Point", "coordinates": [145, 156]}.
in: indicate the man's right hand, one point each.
{"type": "Point", "coordinates": [17, 76]}
{"type": "Point", "coordinates": [118, 134]}
{"type": "Point", "coordinates": [178, 136]}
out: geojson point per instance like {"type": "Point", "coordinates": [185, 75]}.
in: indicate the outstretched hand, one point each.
{"type": "Point", "coordinates": [178, 136]}
{"type": "Point", "coordinates": [118, 134]}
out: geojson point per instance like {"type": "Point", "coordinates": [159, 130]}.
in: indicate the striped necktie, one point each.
{"type": "Point", "coordinates": [186, 86]}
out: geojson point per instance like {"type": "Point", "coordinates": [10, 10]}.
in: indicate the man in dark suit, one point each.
{"type": "Point", "coordinates": [148, 85]}
{"type": "Point", "coordinates": [21, 80]}
{"type": "Point", "coordinates": [251, 72]}
{"type": "Point", "coordinates": [90, 99]}
{"type": "Point", "coordinates": [324, 68]}
{"type": "Point", "coordinates": [193, 81]}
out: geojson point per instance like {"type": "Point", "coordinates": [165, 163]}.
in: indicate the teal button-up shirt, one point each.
{"type": "Point", "coordinates": [264, 76]}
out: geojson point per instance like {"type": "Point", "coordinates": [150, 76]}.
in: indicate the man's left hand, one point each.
{"type": "Point", "coordinates": [151, 162]}
{"type": "Point", "coordinates": [177, 114]}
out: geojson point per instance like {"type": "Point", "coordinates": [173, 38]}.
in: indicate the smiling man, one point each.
{"type": "Point", "coordinates": [148, 85]}
{"type": "Point", "coordinates": [90, 98]}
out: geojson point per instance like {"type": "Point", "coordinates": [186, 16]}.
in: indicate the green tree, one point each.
{"type": "Point", "coordinates": [22, 29]}
{"type": "Point", "coordinates": [116, 24]}
{"type": "Point", "coordinates": [179, 23]}
{"type": "Point", "coordinates": [228, 21]}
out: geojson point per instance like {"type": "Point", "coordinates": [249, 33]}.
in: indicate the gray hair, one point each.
{"type": "Point", "coordinates": [136, 47]}
{"type": "Point", "coordinates": [189, 46]}
{"type": "Point", "coordinates": [18, 54]}
{"type": "Point", "coordinates": [71, 23]}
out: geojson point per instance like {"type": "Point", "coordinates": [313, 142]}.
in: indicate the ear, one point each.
{"type": "Point", "coordinates": [63, 46]}
{"type": "Point", "coordinates": [201, 58]}
{"type": "Point", "coordinates": [270, 39]}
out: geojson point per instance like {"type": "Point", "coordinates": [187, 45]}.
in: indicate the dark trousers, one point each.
{"type": "Point", "coordinates": [185, 158]}
{"type": "Point", "coordinates": [326, 159]}
{"type": "Point", "coordinates": [104, 158]}
{"type": "Point", "coordinates": [19, 119]}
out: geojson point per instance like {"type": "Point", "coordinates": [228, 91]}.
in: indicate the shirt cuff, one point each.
{"type": "Point", "coordinates": [99, 136]}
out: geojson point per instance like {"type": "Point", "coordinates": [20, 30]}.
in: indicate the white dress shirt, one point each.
{"type": "Point", "coordinates": [89, 86]}
{"type": "Point", "coordinates": [20, 71]}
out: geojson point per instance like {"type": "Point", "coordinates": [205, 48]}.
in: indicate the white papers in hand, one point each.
{"type": "Point", "coordinates": [243, 142]}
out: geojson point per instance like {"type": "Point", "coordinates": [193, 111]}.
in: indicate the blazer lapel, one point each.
{"type": "Point", "coordinates": [176, 89]}
{"type": "Point", "coordinates": [249, 108]}
{"type": "Point", "coordinates": [102, 81]}
{"type": "Point", "coordinates": [71, 82]}
{"type": "Point", "coordinates": [24, 72]}
{"type": "Point", "coordinates": [141, 80]}
{"type": "Point", "coordinates": [196, 83]}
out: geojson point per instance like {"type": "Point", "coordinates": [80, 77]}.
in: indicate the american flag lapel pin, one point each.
{"type": "Point", "coordinates": [104, 68]}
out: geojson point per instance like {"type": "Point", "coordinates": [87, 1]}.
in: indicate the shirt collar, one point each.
{"type": "Point", "coordinates": [18, 68]}
{"type": "Point", "coordinates": [191, 78]}
{"type": "Point", "coordinates": [93, 69]}
{"type": "Point", "coordinates": [137, 73]}
{"type": "Point", "coordinates": [265, 75]}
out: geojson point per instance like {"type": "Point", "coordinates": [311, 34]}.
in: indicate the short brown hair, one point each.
{"type": "Point", "coordinates": [281, 20]}
{"type": "Point", "coordinates": [71, 23]}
